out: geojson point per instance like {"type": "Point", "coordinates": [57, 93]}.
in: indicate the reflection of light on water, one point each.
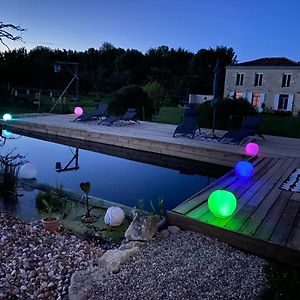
{"type": "Point", "coordinates": [6, 133]}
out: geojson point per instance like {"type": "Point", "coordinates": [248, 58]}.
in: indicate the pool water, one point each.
{"type": "Point", "coordinates": [115, 178]}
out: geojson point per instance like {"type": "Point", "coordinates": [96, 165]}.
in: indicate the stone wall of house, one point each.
{"type": "Point", "coordinates": [271, 84]}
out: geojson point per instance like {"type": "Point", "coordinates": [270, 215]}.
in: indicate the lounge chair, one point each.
{"type": "Point", "coordinates": [189, 126]}
{"type": "Point", "coordinates": [98, 113]}
{"type": "Point", "coordinates": [250, 127]}
{"type": "Point", "coordinates": [129, 116]}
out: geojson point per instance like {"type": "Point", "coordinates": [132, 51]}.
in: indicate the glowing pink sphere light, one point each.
{"type": "Point", "coordinates": [78, 111]}
{"type": "Point", "coordinates": [252, 149]}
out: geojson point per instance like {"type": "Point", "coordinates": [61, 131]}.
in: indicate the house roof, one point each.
{"type": "Point", "coordinates": [271, 62]}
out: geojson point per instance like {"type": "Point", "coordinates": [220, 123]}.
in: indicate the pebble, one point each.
{"type": "Point", "coordinates": [31, 261]}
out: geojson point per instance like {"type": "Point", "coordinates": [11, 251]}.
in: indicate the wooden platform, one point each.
{"type": "Point", "coordinates": [153, 137]}
{"type": "Point", "coordinates": [267, 219]}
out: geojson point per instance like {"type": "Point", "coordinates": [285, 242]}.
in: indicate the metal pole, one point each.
{"type": "Point", "coordinates": [62, 94]}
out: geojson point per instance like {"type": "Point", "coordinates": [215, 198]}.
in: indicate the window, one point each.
{"type": "Point", "coordinates": [239, 79]}
{"type": "Point", "coordinates": [286, 80]}
{"type": "Point", "coordinates": [258, 79]}
{"type": "Point", "coordinates": [283, 101]}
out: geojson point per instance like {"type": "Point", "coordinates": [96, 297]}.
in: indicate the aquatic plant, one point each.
{"type": "Point", "coordinates": [160, 205]}
{"type": "Point", "coordinates": [9, 169]}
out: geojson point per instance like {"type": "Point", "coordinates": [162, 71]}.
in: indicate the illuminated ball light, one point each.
{"type": "Point", "coordinates": [252, 149]}
{"type": "Point", "coordinates": [222, 203]}
{"type": "Point", "coordinates": [114, 216]}
{"type": "Point", "coordinates": [7, 117]}
{"type": "Point", "coordinates": [243, 169]}
{"type": "Point", "coordinates": [78, 111]}
{"type": "Point", "coordinates": [28, 171]}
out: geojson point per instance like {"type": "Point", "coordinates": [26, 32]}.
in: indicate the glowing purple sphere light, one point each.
{"type": "Point", "coordinates": [252, 149]}
{"type": "Point", "coordinates": [78, 111]}
{"type": "Point", "coordinates": [243, 169]}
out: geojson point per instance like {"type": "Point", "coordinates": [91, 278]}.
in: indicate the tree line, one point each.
{"type": "Point", "coordinates": [178, 72]}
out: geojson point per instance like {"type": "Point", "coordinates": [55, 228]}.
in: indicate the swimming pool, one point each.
{"type": "Point", "coordinates": [116, 174]}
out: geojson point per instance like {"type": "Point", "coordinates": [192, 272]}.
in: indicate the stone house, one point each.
{"type": "Point", "coordinates": [268, 83]}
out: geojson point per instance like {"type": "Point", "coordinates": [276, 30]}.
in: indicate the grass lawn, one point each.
{"type": "Point", "coordinates": [169, 115]}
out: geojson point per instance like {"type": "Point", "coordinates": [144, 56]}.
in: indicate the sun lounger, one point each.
{"type": "Point", "coordinates": [189, 126]}
{"type": "Point", "coordinates": [129, 117]}
{"type": "Point", "coordinates": [98, 113]}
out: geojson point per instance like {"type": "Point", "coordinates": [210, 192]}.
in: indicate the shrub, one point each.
{"type": "Point", "coordinates": [229, 113]}
{"type": "Point", "coordinates": [157, 94]}
{"type": "Point", "coordinates": [132, 96]}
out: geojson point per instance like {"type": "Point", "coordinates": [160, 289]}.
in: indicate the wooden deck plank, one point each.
{"type": "Point", "coordinates": [238, 187]}
{"type": "Point", "coordinates": [268, 225]}
{"type": "Point", "coordinates": [251, 225]}
{"type": "Point", "coordinates": [197, 200]}
{"type": "Point", "coordinates": [285, 224]}
{"type": "Point", "coordinates": [251, 199]}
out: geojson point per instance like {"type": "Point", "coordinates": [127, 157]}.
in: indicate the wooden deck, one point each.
{"type": "Point", "coordinates": [153, 137]}
{"type": "Point", "coordinates": [267, 219]}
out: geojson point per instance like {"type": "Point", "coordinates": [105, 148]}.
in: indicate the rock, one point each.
{"type": "Point", "coordinates": [162, 234]}
{"type": "Point", "coordinates": [142, 228]}
{"type": "Point", "coordinates": [132, 244]}
{"type": "Point", "coordinates": [174, 229]}
{"type": "Point", "coordinates": [112, 259]}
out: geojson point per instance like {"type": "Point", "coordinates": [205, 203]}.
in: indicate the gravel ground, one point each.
{"type": "Point", "coordinates": [183, 266]}
{"type": "Point", "coordinates": [36, 264]}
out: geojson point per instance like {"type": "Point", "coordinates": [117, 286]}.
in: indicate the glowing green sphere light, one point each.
{"type": "Point", "coordinates": [7, 117]}
{"type": "Point", "coordinates": [222, 203]}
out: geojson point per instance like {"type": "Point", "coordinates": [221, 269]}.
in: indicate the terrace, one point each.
{"type": "Point", "coordinates": [267, 219]}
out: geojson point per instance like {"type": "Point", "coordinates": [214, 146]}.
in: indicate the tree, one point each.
{"type": "Point", "coordinates": [156, 93]}
{"type": "Point", "coordinates": [10, 32]}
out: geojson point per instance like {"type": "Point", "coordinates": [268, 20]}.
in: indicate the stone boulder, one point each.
{"type": "Point", "coordinates": [112, 259]}
{"type": "Point", "coordinates": [142, 228]}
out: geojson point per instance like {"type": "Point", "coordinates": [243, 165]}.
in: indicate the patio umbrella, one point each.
{"type": "Point", "coordinates": [216, 92]}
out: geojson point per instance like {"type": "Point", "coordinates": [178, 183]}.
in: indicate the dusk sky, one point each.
{"type": "Point", "coordinates": [253, 28]}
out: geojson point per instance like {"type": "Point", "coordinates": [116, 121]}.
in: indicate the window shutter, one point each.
{"type": "Point", "coordinates": [249, 96]}
{"type": "Point", "coordinates": [276, 99]}
{"type": "Point", "coordinates": [290, 103]}
{"type": "Point", "coordinates": [262, 100]}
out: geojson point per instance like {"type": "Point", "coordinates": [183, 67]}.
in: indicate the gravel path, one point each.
{"type": "Point", "coordinates": [36, 264]}
{"type": "Point", "coordinates": [186, 265]}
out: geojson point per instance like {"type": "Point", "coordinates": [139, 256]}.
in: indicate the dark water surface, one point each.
{"type": "Point", "coordinates": [124, 176]}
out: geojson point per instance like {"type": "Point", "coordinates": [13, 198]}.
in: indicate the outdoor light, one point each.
{"type": "Point", "coordinates": [252, 149]}
{"type": "Point", "coordinates": [78, 111]}
{"type": "Point", "coordinates": [7, 117]}
{"type": "Point", "coordinates": [114, 216]}
{"type": "Point", "coordinates": [243, 169]}
{"type": "Point", "coordinates": [222, 203]}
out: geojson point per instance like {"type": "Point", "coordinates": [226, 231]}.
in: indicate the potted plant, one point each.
{"type": "Point", "coordinates": [50, 222]}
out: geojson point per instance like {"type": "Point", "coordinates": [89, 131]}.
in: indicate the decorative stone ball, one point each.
{"type": "Point", "coordinates": [7, 117]}
{"type": "Point", "coordinates": [78, 111]}
{"type": "Point", "coordinates": [222, 203]}
{"type": "Point", "coordinates": [114, 216]}
{"type": "Point", "coordinates": [252, 149]}
{"type": "Point", "coordinates": [28, 171]}
{"type": "Point", "coordinates": [243, 169]}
